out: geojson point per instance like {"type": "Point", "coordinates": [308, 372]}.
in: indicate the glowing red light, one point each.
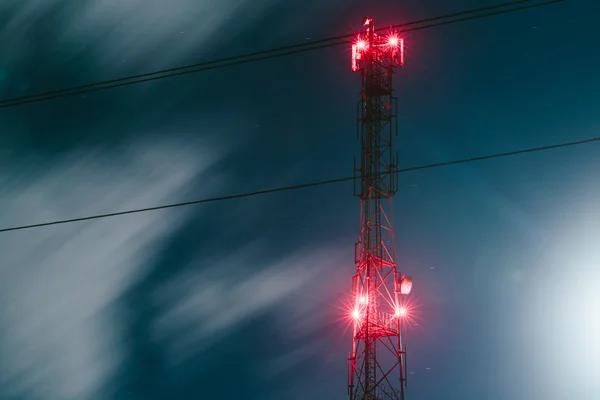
{"type": "Point", "coordinates": [363, 299]}
{"type": "Point", "coordinates": [393, 41]}
{"type": "Point", "coordinates": [355, 314]}
{"type": "Point", "coordinates": [401, 312]}
{"type": "Point", "coordinates": [358, 49]}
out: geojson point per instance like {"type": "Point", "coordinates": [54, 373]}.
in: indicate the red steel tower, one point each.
{"type": "Point", "coordinates": [377, 363]}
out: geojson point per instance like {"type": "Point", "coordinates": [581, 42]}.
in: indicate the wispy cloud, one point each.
{"type": "Point", "coordinates": [126, 31]}
{"type": "Point", "coordinates": [60, 337]}
{"type": "Point", "coordinates": [217, 299]}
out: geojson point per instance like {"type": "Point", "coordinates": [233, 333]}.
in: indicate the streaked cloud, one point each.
{"type": "Point", "coordinates": [60, 336]}
{"type": "Point", "coordinates": [60, 332]}
{"type": "Point", "coordinates": [217, 298]}
{"type": "Point", "coordinates": [126, 31]}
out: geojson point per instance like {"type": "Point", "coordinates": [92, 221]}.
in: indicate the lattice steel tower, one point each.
{"type": "Point", "coordinates": [377, 363]}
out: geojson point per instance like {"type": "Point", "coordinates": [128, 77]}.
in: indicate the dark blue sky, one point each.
{"type": "Point", "coordinates": [240, 299]}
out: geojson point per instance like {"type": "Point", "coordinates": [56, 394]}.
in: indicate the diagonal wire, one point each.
{"type": "Point", "coordinates": [257, 53]}
{"type": "Point", "coordinates": [262, 55]}
{"type": "Point", "coordinates": [302, 186]}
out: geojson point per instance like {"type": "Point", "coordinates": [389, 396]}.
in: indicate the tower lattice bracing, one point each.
{"type": "Point", "coordinates": [377, 362]}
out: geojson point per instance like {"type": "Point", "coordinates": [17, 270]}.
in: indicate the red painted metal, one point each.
{"type": "Point", "coordinates": [377, 361]}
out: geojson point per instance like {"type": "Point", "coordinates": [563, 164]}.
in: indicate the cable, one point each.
{"type": "Point", "coordinates": [259, 56]}
{"type": "Point", "coordinates": [302, 186]}
{"type": "Point", "coordinates": [257, 53]}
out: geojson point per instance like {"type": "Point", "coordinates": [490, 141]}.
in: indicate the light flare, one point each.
{"type": "Point", "coordinates": [401, 312]}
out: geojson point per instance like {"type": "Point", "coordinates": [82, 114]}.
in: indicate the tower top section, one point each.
{"type": "Point", "coordinates": [387, 49]}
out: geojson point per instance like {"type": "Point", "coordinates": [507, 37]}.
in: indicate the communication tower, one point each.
{"type": "Point", "coordinates": [377, 362]}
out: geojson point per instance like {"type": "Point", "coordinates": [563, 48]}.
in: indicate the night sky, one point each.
{"type": "Point", "coordinates": [241, 299]}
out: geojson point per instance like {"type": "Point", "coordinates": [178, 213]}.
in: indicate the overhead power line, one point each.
{"type": "Point", "coordinates": [301, 186]}
{"type": "Point", "coordinates": [268, 54]}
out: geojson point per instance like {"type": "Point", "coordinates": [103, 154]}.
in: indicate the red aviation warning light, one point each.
{"type": "Point", "coordinates": [387, 49]}
{"type": "Point", "coordinates": [401, 312]}
{"type": "Point", "coordinates": [358, 49]}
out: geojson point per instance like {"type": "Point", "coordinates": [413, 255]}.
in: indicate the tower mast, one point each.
{"type": "Point", "coordinates": [377, 362]}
